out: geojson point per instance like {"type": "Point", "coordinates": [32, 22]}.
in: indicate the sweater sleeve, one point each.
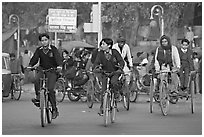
{"type": "Point", "coordinates": [58, 58]}
{"type": "Point", "coordinates": [119, 59]}
{"type": "Point", "coordinates": [35, 58]}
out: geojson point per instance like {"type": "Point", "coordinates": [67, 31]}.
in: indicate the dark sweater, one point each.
{"type": "Point", "coordinates": [109, 65]}
{"type": "Point", "coordinates": [186, 58]}
{"type": "Point", "coordinates": [51, 59]}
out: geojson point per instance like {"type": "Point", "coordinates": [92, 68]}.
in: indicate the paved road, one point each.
{"type": "Point", "coordinates": [22, 118]}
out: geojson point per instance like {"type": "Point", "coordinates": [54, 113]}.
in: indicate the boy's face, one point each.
{"type": "Point", "coordinates": [45, 41]}
{"type": "Point", "coordinates": [104, 46]}
{"type": "Point", "coordinates": [184, 45]}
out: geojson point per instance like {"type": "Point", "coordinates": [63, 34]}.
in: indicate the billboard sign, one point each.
{"type": "Point", "coordinates": [62, 20]}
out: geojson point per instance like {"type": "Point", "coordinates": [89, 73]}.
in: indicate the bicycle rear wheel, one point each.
{"type": "Point", "coordinates": [106, 105]}
{"type": "Point", "coordinates": [60, 90]}
{"type": "Point", "coordinates": [17, 89]}
{"type": "Point", "coordinates": [164, 99]}
{"type": "Point", "coordinates": [113, 109]}
{"type": "Point", "coordinates": [42, 108]}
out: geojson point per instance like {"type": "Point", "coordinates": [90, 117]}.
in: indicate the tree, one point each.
{"type": "Point", "coordinates": [126, 17]}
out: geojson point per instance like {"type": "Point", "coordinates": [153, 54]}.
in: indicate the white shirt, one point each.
{"type": "Point", "coordinates": [125, 52]}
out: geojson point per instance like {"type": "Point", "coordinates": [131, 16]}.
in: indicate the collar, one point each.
{"type": "Point", "coordinates": [184, 50]}
{"type": "Point", "coordinates": [110, 52]}
{"type": "Point", "coordinates": [49, 47]}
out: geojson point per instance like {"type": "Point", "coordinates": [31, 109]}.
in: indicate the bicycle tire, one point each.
{"type": "Point", "coordinates": [42, 108]}
{"type": "Point", "coordinates": [151, 95]}
{"type": "Point", "coordinates": [73, 97]}
{"type": "Point", "coordinates": [90, 92]}
{"type": "Point", "coordinates": [113, 109]}
{"type": "Point", "coordinates": [133, 95]}
{"type": "Point", "coordinates": [49, 112]}
{"type": "Point", "coordinates": [17, 89]}
{"type": "Point", "coordinates": [164, 101]}
{"type": "Point", "coordinates": [106, 105]}
{"type": "Point", "coordinates": [192, 96]}
{"type": "Point", "coordinates": [60, 90]}
{"type": "Point", "coordinates": [126, 101]}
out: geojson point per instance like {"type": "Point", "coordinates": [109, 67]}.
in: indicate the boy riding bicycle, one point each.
{"type": "Point", "coordinates": [108, 58]}
{"type": "Point", "coordinates": [48, 57]}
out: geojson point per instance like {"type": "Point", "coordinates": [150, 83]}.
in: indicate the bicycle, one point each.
{"type": "Point", "coordinates": [125, 96]}
{"type": "Point", "coordinates": [175, 96]}
{"type": "Point", "coordinates": [163, 92]}
{"type": "Point", "coordinates": [45, 104]}
{"type": "Point", "coordinates": [109, 98]}
{"type": "Point", "coordinates": [16, 87]}
{"type": "Point", "coordinates": [93, 89]}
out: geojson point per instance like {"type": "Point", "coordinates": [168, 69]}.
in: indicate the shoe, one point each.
{"type": "Point", "coordinates": [36, 102]}
{"type": "Point", "coordinates": [100, 113]}
{"type": "Point", "coordinates": [55, 113]}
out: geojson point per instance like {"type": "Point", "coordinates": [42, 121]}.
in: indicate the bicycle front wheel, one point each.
{"type": "Point", "coordinates": [42, 108]}
{"type": "Point", "coordinates": [17, 89]}
{"type": "Point", "coordinates": [164, 99]}
{"type": "Point", "coordinates": [126, 101]}
{"type": "Point", "coordinates": [151, 95]}
{"type": "Point", "coordinates": [192, 95]}
{"type": "Point", "coordinates": [113, 108]}
{"type": "Point", "coordinates": [60, 90]}
{"type": "Point", "coordinates": [49, 112]}
{"type": "Point", "coordinates": [106, 106]}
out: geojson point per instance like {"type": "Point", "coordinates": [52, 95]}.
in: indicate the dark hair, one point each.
{"type": "Point", "coordinates": [185, 40]}
{"type": "Point", "coordinates": [43, 35]}
{"type": "Point", "coordinates": [121, 40]}
{"type": "Point", "coordinates": [12, 55]}
{"type": "Point", "coordinates": [65, 51]}
{"type": "Point", "coordinates": [108, 41]}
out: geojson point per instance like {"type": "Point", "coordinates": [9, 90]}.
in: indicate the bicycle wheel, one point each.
{"type": "Point", "coordinates": [133, 95]}
{"type": "Point", "coordinates": [126, 101]}
{"type": "Point", "coordinates": [151, 95]}
{"type": "Point", "coordinates": [191, 88]}
{"type": "Point", "coordinates": [106, 105]}
{"type": "Point", "coordinates": [60, 90]}
{"type": "Point", "coordinates": [113, 109]}
{"type": "Point", "coordinates": [49, 112]}
{"type": "Point", "coordinates": [42, 108]}
{"type": "Point", "coordinates": [90, 92]}
{"type": "Point", "coordinates": [17, 89]}
{"type": "Point", "coordinates": [164, 100]}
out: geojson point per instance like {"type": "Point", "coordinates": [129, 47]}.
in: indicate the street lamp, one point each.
{"type": "Point", "coordinates": [12, 17]}
{"type": "Point", "coordinates": [159, 12]}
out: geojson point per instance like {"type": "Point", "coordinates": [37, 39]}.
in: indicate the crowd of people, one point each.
{"type": "Point", "coordinates": [109, 55]}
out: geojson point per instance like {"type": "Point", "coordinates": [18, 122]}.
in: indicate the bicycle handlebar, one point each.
{"type": "Point", "coordinates": [43, 70]}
